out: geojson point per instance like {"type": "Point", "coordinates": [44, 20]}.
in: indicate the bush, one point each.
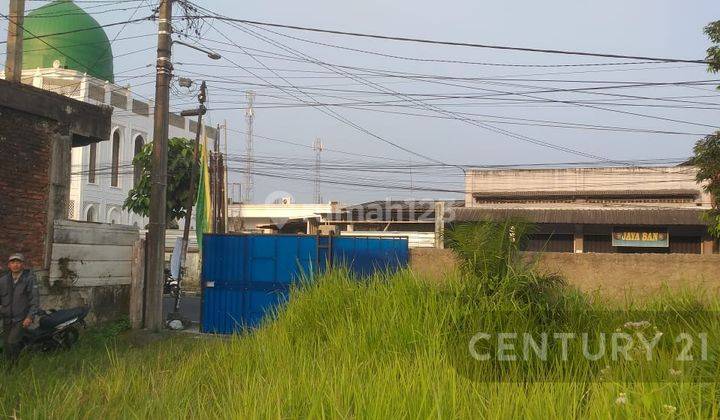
{"type": "Point", "coordinates": [490, 259]}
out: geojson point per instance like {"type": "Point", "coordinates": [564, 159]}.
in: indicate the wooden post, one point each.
{"type": "Point", "coordinates": [13, 62]}
{"type": "Point", "coordinates": [440, 225]}
{"type": "Point", "coordinates": [137, 285]}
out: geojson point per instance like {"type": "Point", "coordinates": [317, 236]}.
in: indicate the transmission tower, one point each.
{"type": "Point", "coordinates": [318, 147]}
{"type": "Point", "coordinates": [249, 154]}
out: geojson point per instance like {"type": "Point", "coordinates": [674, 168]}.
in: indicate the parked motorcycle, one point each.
{"type": "Point", "coordinates": [58, 329]}
{"type": "Point", "coordinates": [170, 286]}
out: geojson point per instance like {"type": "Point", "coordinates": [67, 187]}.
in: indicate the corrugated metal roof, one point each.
{"type": "Point", "coordinates": [586, 216]}
{"type": "Point", "coordinates": [404, 205]}
{"type": "Point", "coordinates": [597, 193]}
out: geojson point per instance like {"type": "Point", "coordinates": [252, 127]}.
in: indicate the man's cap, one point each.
{"type": "Point", "coordinates": [18, 256]}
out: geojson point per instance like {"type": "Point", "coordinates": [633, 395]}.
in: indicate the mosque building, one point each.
{"type": "Point", "coordinates": [66, 51]}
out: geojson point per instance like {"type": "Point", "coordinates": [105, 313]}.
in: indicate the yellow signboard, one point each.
{"type": "Point", "coordinates": [641, 238]}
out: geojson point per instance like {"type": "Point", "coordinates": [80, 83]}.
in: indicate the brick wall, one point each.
{"type": "Point", "coordinates": [26, 147]}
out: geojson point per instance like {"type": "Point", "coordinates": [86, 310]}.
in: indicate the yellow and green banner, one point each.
{"type": "Point", "coordinates": [203, 221]}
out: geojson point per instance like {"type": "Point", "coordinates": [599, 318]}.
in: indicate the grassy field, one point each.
{"type": "Point", "coordinates": [341, 349]}
{"type": "Point", "coordinates": [377, 348]}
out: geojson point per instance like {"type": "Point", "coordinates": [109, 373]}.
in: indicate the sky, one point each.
{"type": "Point", "coordinates": [470, 106]}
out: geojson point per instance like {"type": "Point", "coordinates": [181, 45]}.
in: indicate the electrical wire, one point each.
{"type": "Point", "coordinates": [451, 43]}
{"type": "Point", "coordinates": [332, 113]}
{"type": "Point", "coordinates": [108, 25]}
{"type": "Point", "coordinates": [436, 109]}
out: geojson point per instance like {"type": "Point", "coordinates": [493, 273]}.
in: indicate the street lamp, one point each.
{"type": "Point", "coordinates": [211, 54]}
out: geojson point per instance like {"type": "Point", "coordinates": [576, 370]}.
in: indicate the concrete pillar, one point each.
{"type": "Point", "coordinates": [708, 244]}
{"type": "Point", "coordinates": [59, 191]}
{"type": "Point", "coordinates": [137, 285]}
{"type": "Point", "coordinates": [440, 225]}
{"type": "Point", "coordinates": [37, 79]}
{"type": "Point", "coordinates": [84, 89]}
{"type": "Point", "coordinates": [579, 240]}
{"type": "Point", "coordinates": [312, 226]}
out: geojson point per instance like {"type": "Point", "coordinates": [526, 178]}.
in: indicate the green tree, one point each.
{"type": "Point", "coordinates": [713, 53]}
{"type": "Point", "coordinates": [707, 151]}
{"type": "Point", "coordinates": [707, 161]}
{"type": "Point", "coordinates": [180, 161]}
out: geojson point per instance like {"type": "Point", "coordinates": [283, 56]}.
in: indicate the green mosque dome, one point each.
{"type": "Point", "coordinates": [78, 40]}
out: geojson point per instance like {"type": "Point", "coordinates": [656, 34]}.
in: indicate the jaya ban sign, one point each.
{"type": "Point", "coordinates": [641, 238]}
{"type": "Point", "coordinates": [597, 346]}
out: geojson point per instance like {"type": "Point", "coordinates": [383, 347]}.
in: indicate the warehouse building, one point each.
{"type": "Point", "coordinates": [601, 210]}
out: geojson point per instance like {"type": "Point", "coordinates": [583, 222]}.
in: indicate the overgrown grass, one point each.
{"type": "Point", "coordinates": [346, 347]}
{"type": "Point", "coordinates": [342, 348]}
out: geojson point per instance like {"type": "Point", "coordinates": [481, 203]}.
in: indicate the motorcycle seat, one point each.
{"type": "Point", "coordinates": [53, 319]}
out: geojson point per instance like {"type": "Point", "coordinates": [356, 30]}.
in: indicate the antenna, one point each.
{"type": "Point", "coordinates": [318, 147]}
{"type": "Point", "coordinates": [249, 154]}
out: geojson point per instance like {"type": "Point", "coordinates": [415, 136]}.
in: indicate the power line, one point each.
{"type": "Point", "coordinates": [327, 111]}
{"type": "Point", "coordinates": [283, 57]}
{"type": "Point", "coordinates": [325, 149]}
{"type": "Point", "coordinates": [472, 122]}
{"type": "Point", "coordinates": [452, 43]}
{"type": "Point", "coordinates": [437, 60]}
{"type": "Point", "coordinates": [89, 1]}
{"type": "Point", "coordinates": [500, 92]}
{"type": "Point", "coordinates": [90, 43]}
{"type": "Point", "coordinates": [534, 123]}
{"type": "Point", "coordinates": [82, 13]}
{"type": "Point", "coordinates": [464, 119]}
{"type": "Point", "coordinates": [610, 84]}
{"type": "Point", "coordinates": [444, 96]}
{"type": "Point", "coordinates": [40, 37]}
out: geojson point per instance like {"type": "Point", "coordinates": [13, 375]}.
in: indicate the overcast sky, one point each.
{"type": "Point", "coordinates": [498, 132]}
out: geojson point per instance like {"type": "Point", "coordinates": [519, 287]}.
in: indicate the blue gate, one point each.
{"type": "Point", "coordinates": [244, 277]}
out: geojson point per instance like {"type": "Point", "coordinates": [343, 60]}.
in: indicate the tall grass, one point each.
{"type": "Point", "coordinates": [342, 348]}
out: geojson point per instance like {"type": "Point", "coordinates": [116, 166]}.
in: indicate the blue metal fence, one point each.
{"type": "Point", "coordinates": [244, 277]}
{"type": "Point", "coordinates": [364, 255]}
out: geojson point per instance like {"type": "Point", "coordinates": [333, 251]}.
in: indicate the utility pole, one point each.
{"type": "Point", "coordinates": [318, 148]}
{"type": "Point", "coordinates": [158, 175]}
{"type": "Point", "coordinates": [249, 154]}
{"type": "Point", "coordinates": [13, 62]}
{"type": "Point", "coordinates": [200, 111]}
{"type": "Point", "coordinates": [225, 178]}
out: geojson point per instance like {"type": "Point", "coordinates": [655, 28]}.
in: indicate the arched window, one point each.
{"type": "Point", "coordinates": [113, 217]}
{"type": "Point", "coordinates": [115, 159]}
{"type": "Point", "coordinates": [92, 162]}
{"type": "Point", "coordinates": [137, 170]}
{"type": "Point", "coordinates": [90, 215]}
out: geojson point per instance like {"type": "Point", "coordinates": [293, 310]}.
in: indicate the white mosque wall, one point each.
{"type": "Point", "coordinates": [132, 123]}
